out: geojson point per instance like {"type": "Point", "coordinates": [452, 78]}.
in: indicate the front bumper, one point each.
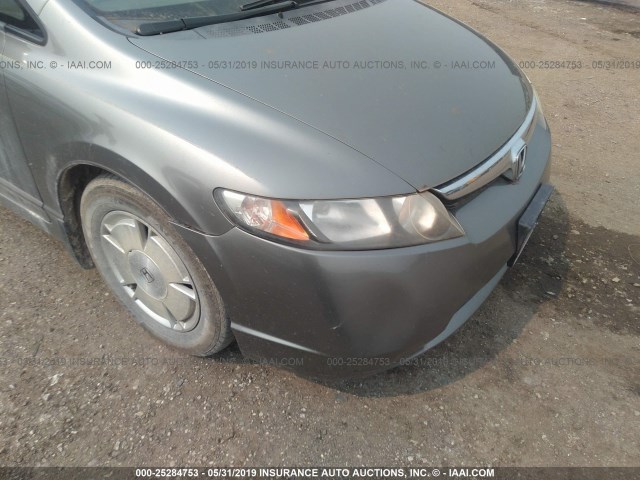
{"type": "Point", "coordinates": [340, 314]}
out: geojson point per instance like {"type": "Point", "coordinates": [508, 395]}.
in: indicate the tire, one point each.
{"type": "Point", "coordinates": [151, 269]}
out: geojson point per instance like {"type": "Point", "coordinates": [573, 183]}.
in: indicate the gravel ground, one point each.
{"type": "Point", "coordinates": [546, 373]}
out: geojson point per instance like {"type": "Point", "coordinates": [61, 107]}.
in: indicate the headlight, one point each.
{"type": "Point", "coordinates": [358, 224]}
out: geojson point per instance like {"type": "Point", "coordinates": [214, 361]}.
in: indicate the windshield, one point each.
{"type": "Point", "coordinates": [129, 14]}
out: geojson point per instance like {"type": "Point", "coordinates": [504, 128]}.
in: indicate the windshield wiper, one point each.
{"type": "Point", "coordinates": [258, 4]}
{"type": "Point", "coordinates": [157, 28]}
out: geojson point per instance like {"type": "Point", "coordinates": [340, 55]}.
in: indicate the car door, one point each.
{"type": "Point", "coordinates": [18, 189]}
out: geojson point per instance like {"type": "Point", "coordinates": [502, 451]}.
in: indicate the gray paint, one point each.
{"type": "Point", "coordinates": [178, 135]}
{"type": "Point", "coordinates": [385, 303]}
{"type": "Point", "coordinates": [15, 176]}
{"type": "Point", "coordinates": [37, 5]}
{"type": "Point", "coordinates": [426, 126]}
{"type": "Point", "coordinates": [199, 135]}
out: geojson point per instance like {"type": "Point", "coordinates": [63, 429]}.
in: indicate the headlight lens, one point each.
{"type": "Point", "coordinates": [264, 215]}
{"type": "Point", "coordinates": [358, 224]}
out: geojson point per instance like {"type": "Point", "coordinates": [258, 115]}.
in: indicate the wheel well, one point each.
{"type": "Point", "coordinates": [72, 183]}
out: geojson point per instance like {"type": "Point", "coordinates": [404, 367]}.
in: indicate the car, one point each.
{"type": "Point", "coordinates": [335, 184]}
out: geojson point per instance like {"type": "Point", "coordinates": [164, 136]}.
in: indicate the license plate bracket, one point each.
{"type": "Point", "coordinates": [529, 219]}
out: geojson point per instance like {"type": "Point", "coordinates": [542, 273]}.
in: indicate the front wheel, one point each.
{"type": "Point", "coordinates": [151, 269]}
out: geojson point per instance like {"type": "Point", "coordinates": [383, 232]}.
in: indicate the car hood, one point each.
{"type": "Point", "coordinates": [417, 92]}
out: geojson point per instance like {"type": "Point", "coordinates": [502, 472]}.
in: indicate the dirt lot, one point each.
{"type": "Point", "coordinates": [546, 373]}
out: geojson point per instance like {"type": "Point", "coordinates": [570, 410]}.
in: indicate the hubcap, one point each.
{"type": "Point", "coordinates": [150, 271]}
{"type": "Point", "coordinates": [147, 274]}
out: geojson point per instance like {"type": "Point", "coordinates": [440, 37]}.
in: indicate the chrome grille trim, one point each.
{"type": "Point", "coordinates": [495, 166]}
